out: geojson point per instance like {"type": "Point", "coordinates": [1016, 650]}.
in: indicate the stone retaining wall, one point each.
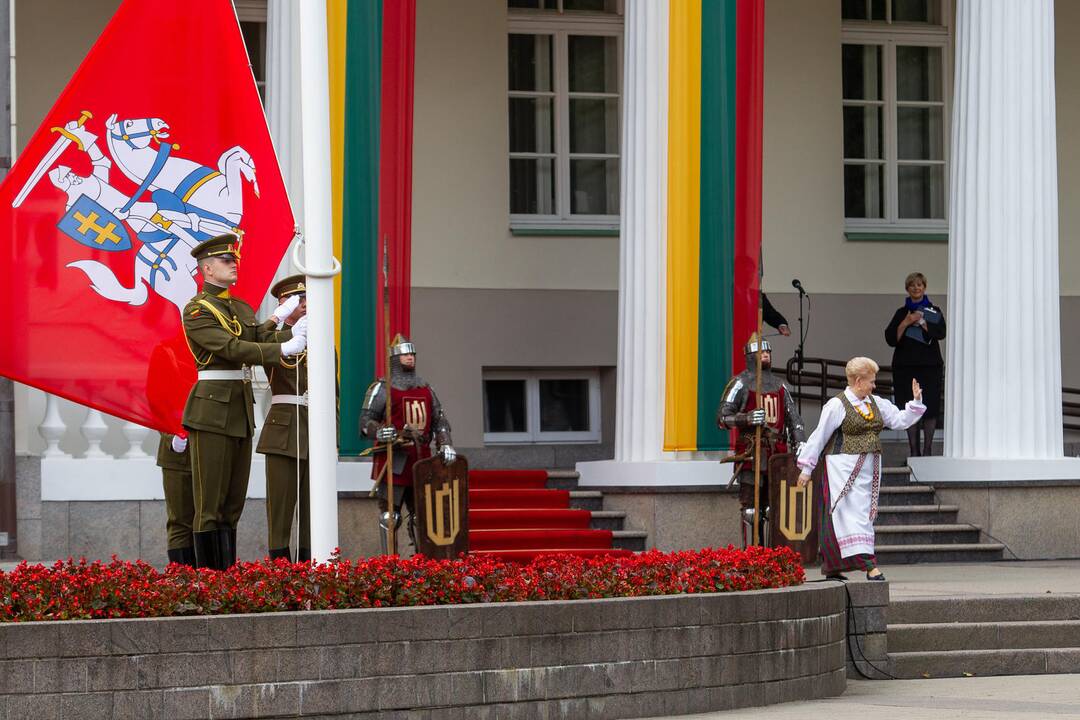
{"type": "Point", "coordinates": [584, 659]}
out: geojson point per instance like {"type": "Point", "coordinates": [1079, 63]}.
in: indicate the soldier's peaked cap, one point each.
{"type": "Point", "coordinates": [227, 244]}
{"type": "Point", "coordinates": [289, 286]}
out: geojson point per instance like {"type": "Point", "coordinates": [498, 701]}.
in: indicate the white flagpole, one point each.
{"type": "Point", "coordinates": [320, 270]}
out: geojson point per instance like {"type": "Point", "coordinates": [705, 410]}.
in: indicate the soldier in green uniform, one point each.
{"type": "Point", "coordinates": [225, 340]}
{"type": "Point", "coordinates": [175, 464]}
{"type": "Point", "coordinates": [284, 438]}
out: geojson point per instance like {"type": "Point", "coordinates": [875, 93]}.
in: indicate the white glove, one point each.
{"type": "Point", "coordinates": [286, 308]}
{"type": "Point", "coordinates": [300, 328]}
{"type": "Point", "coordinates": [757, 417]}
{"type": "Point", "coordinates": [387, 433]}
{"type": "Point", "coordinates": [294, 346]}
{"type": "Point", "coordinates": [179, 444]}
{"type": "Point", "coordinates": [448, 454]}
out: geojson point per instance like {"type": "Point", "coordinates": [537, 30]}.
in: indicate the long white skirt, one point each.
{"type": "Point", "coordinates": [854, 503]}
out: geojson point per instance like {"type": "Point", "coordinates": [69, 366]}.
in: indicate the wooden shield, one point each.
{"type": "Point", "coordinates": [793, 519]}
{"type": "Point", "coordinates": [441, 495]}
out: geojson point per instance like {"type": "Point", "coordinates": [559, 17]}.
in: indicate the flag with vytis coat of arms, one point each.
{"type": "Point", "coordinates": [158, 142]}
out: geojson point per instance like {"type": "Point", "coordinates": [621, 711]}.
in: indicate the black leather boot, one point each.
{"type": "Point", "coordinates": [303, 555]}
{"type": "Point", "coordinates": [232, 546]}
{"type": "Point", "coordinates": [226, 551]}
{"type": "Point", "coordinates": [276, 553]}
{"type": "Point", "coordinates": [206, 550]}
{"type": "Point", "coordinates": [188, 556]}
{"type": "Point", "coordinates": [176, 555]}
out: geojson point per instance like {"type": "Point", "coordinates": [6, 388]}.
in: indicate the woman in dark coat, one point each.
{"type": "Point", "coordinates": [915, 333]}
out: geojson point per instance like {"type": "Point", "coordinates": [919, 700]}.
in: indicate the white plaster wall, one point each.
{"type": "Point", "coordinates": [461, 236]}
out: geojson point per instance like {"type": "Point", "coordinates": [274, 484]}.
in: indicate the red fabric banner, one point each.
{"type": "Point", "coordinates": [395, 163]}
{"type": "Point", "coordinates": [158, 142]}
{"type": "Point", "coordinates": [750, 74]}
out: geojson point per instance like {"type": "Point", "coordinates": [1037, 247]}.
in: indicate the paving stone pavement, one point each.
{"type": "Point", "coordinates": [1024, 697]}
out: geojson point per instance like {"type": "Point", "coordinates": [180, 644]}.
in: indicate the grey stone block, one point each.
{"type": "Point", "coordinates": [60, 675]}
{"type": "Point", "coordinates": [867, 620]}
{"type": "Point", "coordinates": [55, 535]}
{"type": "Point", "coordinates": [254, 701]}
{"type": "Point", "coordinates": [342, 661]}
{"type": "Point", "coordinates": [298, 664]}
{"type": "Point", "coordinates": [38, 707]}
{"type": "Point", "coordinates": [275, 630]}
{"type": "Point", "coordinates": [515, 685]}
{"type": "Point", "coordinates": [138, 705]}
{"type": "Point", "coordinates": [98, 530]}
{"type": "Point", "coordinates": [82, 638]}
{"type": "Point", "coordinates": [516, 619]}
{"type": "Point", "coordinates": [27, 491]}
{"type": "Point", "coordinates": [338, 696]}
{"type": "Point", "coordinates": [186, 703]}
{"type": "Point", "coordinates": [185, 670]}
{"type": "Point", "coordinates": [16, 677]}
{"type": "Point", "coordinates": [868, 594]}
{"type": "Point", "coordinates": [112, 673]}
{"type": "Point", "coordinates": [28, 534]}
{"type": "Point", "coordinates": [86, 705]}
{"type": "Point", "coordinates": [185, 634]}
{"type": "Point", "coordinates": [462, 688]}
{"type": "Point", "coordinates": [153, 542]}
{"type": "Point", "coordinates": [231, 632]}
{"type": "Point", "coordinates": [30, 640]}
{"type": "Point", "coordinates": [135, 637]}
{"type": "Point", "coordinates": [331, 627]}
{"type": "Point", "coordinates": [464, 621]}
{"type": "Point", "coordinates": [251, 667]}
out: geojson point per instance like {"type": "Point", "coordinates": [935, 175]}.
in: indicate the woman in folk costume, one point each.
{"type": "Point", "coordinates": [849, 436]}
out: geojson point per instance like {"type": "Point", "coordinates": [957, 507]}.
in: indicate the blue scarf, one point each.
{"type": "Point", "coordinates": [912, 306]}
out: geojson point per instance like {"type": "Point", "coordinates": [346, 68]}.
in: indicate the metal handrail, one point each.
{"type": "Point", "coordinates": [809, 385]}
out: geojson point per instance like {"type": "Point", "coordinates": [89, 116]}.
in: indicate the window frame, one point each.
{"type": "Point", "coordinates": [561, 26]}
{"type": "Point", "coordinates": [888, 35]}
{"type": "Point", "coordinates": [533, 435]}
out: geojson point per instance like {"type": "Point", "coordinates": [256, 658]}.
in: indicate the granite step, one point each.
{"type": "Point", "coordinates": [936, 534]}
{"type": "Point", "coordinates": [563, 479]}
{"type": "Point", "coordinates": [907, 495]}
{"type": "Point", "coordinates": [944, 637]}
{"type": "Point", "coordinates": [967, 663]}
{"type": "Point", "coordinates": [933, 514]}
{"type": "Point", "coordinates": [587, 499]}
{"type": "Point", "coordinates": [933, 553]}
{"type": "Point", "coordinates": [608, 519]}
{"type": "Point", "coordinates": [995, 608]}
{"type": "Point", "coordinates": [629, 539]}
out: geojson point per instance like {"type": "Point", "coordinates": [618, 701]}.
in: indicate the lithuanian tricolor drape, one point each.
{"type": "Point", "coordinates": [714, 208]}
{"type": "Point", "coordinates": [372, 49]}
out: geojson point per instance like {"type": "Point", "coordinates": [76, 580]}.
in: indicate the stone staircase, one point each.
{"type": "Point", "coordinates": [992, 635]}
{"type": "Point", "coordinates": [913, 526]}
{"type": "Point", "coordinates": [593, 501]}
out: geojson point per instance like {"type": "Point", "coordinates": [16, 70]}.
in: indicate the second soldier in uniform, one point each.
{"type": "Point", "coordinates": [226, 340]}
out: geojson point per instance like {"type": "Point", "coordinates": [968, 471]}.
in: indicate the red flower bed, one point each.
{"type": "Point", "coordinates": [81, 590]}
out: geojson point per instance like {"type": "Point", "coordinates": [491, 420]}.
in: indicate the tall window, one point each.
{"type": "Point", "coordinates": [895, 69]}
{"type": "Point", "coordinates": [565, 74]}
{"type": "Point", "coordinates": [252, 16]}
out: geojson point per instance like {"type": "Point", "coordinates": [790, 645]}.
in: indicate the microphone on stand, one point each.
{"type": "Point", "coordinates": [798, 286]}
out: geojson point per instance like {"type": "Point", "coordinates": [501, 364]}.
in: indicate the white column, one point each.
{"type": "Point", "coordinates": [639, 396]}
{"type": "Point", "coordinates": [1003, 384]}
{"type": "Point", "coordinates": [283, 113]}
{"type": "Point", "coordinates": [318, 232]}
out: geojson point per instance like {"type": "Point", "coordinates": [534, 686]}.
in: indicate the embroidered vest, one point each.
{"type": "Point", "coordinates": [857, 435]}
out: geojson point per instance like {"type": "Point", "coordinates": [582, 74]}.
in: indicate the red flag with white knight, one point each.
{"type": "Point", "coordinates": [158, 142]}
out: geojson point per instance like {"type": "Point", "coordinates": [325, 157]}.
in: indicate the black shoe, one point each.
{"type": "Point", "coordinates": [836, 576]}
{"type": "Point", "coordinates": [232, 546]}
{"type": "Point", "coordinates": [880, 577]}
{"type": "Point", "coordinates": [276, 553]}
{"type": "Point", "coordinates": [226, 551]}
{"type": "Point", "coordinates": [182, 556]}
{"type": "Point", "coordinates": [206, 550]}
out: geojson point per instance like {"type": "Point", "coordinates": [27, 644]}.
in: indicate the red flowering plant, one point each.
{"type": "Point", "coordinates": [119, 589]}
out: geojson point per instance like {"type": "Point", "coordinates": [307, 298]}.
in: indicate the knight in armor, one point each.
{"type": "Point", "coordinates": [417, 420]}
{"type": "Point", "coordinates": [741, 409]}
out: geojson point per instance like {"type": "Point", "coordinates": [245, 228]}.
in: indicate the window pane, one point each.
{"type": "Point", "coordinates": [531, 127]}
{"type": "Point", "coordinates": [564, 406]}
{"type": "Point", "coordinates": [594, 187]}
{"type": "Point", "coordinates": [863, 133]}
{"type": "Point", "coordinates": [919, 133]}
{"type": "Point", "coordinates": [530, 4]}
{"type": "Point", "coordinates": [862, 72]}
{"type": "Point", "coordinates": [918, 74]}
{"type": "Point", "coordinates": [254, 34]}
{"type": "Point", "coordinates": [532, 186]}
{"type": "Point", "coordinates": [530, 62]}
{"type": "Point", "coordinates": [862, 9]}
{"type": "Point", "coordinates": [594, 125]}
{"type": "Point", "coordinates": [920, 11]}
{"type": "Point", "coordinates": [607, 6]}
{"type": "Point", "coordinates": [922, 191]}
{"type": "Point", "coordinates": [594, 63]}
{"type": "Point", "coordinates": [504, 406]}
{"type": "Point", "coordinates": [864, 188]}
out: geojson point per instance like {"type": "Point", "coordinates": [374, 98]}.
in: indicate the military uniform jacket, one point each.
{"type": "Point", "coordinates": [223, 334]}
{"type": "Point", "coordinates": [285, 431]}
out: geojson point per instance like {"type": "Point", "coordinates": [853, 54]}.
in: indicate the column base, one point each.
{"type": "Point", "coordinates": [945, 470]}
{"type": "Point", "coordinates": [658, 473]}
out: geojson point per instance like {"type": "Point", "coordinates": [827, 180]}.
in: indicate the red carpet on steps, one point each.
{"type": "Point", "coordinates": [514, 516]}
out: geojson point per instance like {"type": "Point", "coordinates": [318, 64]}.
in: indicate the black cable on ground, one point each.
{"type": "Point", "coordinates": [851, 647]}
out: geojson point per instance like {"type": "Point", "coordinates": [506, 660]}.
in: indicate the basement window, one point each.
{"type": "Point", "coordinates": [541, 406]}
